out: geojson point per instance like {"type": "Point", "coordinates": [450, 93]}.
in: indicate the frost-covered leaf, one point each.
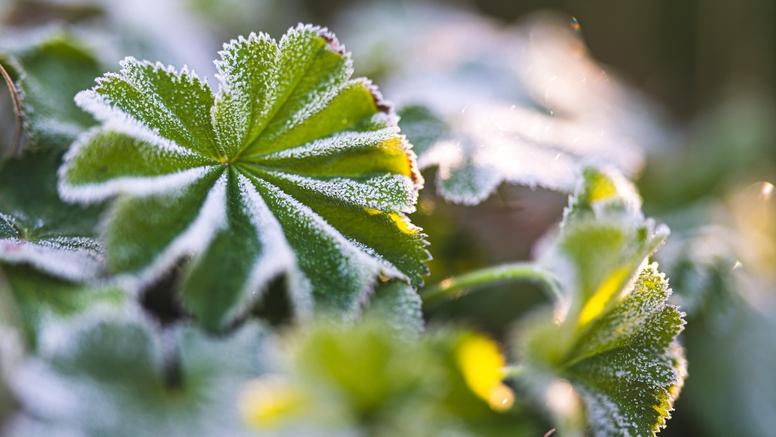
{"type": "Point", "coordinates": [524, 105]}
{"type": "Point", "coordinates": [603, 217]}
{"type": "Point", "coordinates": [48, 70]}
{"type": "Point", "coordinates": [490, 144]}
{"type": "Point", "coordinates": [289, 167]}
{"type": "Point", "coordinates": [400, 305]}
{"type": "Point", "coordinates": [612, 334]}
{"type": "Point", "coordinates": [117, 376]}
{"type": "Point", "coordinates": [37, 228]}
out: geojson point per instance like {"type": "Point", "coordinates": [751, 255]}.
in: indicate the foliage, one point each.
{"type": "Point", "coordinates": [290, 167]}
{"type": "Point", "coordinates": [117, 375]}
{"type": "Point", "coordinates": [150, 222]}
{"type": "Point", "coordinates": [447, 383]}
{"type": "Point", "coordinates": [48, 69]}
{"type": "Point", "coordinates": [612, 335]}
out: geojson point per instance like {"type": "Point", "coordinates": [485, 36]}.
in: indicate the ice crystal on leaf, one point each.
{"type": "Point", "coordinates": [289, 167]}
{"type": "Point", "coordinates": [612, 335]}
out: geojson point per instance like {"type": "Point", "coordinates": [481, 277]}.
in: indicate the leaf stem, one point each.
{"type": "Point", "coordinates": [17, 109]}
{"type": "Point", "coordinates": [455, 287]}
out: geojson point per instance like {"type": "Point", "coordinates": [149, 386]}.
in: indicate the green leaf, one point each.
{"type": "Point", "coordinates": [603, 217]}
{"type": "Point", "coordinates": [48, 71]}
{"type": "Point", "coordinates": [612, 334]}
{"type": "Point", "coordinates": [290, 167]}
{"type": "Point", "coordinates": [39, 298]}
{"type": "Point", "coordinates": [400, 306]}
{"type": "Point", "coordinates": [399, 385]}
{"type": "Point", "coordinates": [492, 144]}
{"type": "Point", "coordinates": [37, 228]}
{"type": "Point", "coordinates": [118, 376]}
{"type": "Point", "coordinates": [627, 366]}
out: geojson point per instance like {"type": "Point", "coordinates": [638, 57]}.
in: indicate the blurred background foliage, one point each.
{"type": "Point", "coordinates": [708, 68]}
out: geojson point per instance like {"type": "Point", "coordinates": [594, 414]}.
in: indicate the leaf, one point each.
{"type": "Point", "coordinates": [399, 305]}
{"type": "Point", "coordinates": [523, 104]}
{"type": "Point", "coordinates": [37, 228]}
{"type": "Point", "coordinates": [290, 167]}
{"type": "Point", "coordinates": [613, 334]}
{"type": "Point", "coordinates": [603, 217]}
{"type": "Point", "coordinates": [48, 71]}
{"type": "Point", "coordinates": [439, 384]}
{"type": "Point", "coordinates": [101, 375]}
{"type": "Point", "coordinates": [39, 298]}
{"type": "Point", "coordinates": [628, 366]}
{"type": "Point", "coordinates": [491, 144]}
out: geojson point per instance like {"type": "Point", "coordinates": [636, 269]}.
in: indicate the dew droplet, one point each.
{"type": "Point", "coordinates": [502, 398]}
{"type": "Point", "coordinates": [766, 190]}
{"type": "Point", "coordinates": [574, 24]}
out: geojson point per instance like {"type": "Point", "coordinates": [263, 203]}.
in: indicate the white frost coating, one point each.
{"type": "Point", "coordinates": [335, 144]}
{"type": "Point", "coordinates": [516, 145]}
{"type": "Point", "coordinates": [138, 186]}
{"type": "Point", "coordinates": [379, 192]}
{"type": "Point", "coordinates": [67, 397]}
{"type": "Point", "coordinates": [41, 390]}
{"type": "Point", "coordinates": [228, 58]}
{"type": "Point", "coordinates": [318, 97]}
{"type": "Point", "coordinates": [211, 219]}
{"type": "Point", "coordinates": [353, 258]}
{"type": "Point", "coordinates": [275, 258]}
{"type": "Point", "coordinates": [61, 336]}
{"type": "Point", "coordinates": [75, 259]}
{"type": "Point", "coordinates": [135, 74]}
{"type": "Point", "coordinates": [237, 106]}
{"type": "Point", "coordinates": [487, 81]}
{"type": "Point", "coordinates": [119, 121]}
{"type": "Point", "coordinates": [8, 224]}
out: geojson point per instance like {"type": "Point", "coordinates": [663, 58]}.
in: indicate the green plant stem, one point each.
{"type": "Point", "coordinates": [455, 287]}
{"type": "Point", "coordinates": [17, 109]}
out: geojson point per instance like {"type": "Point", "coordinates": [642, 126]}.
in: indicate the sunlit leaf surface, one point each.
{"type": "Point", "coordinates": [612, 335]}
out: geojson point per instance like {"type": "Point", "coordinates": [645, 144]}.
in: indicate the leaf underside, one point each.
{"type": "Point", "coordinates": [290, 167]}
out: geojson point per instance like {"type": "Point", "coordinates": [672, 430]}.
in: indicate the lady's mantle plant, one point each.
{"type": "Point", "coordinates": [289, 167]}
{"type": "Point", "coordinates": [612, 334]}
